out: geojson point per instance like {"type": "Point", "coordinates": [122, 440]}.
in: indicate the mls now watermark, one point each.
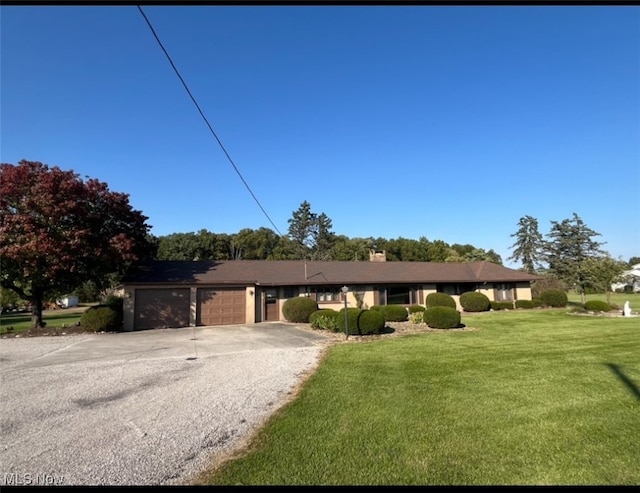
{"type": "Point", "coordinates": [13, 478]}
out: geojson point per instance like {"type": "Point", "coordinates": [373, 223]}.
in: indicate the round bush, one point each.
{"type": "Point", "coordinates": [361, 322]}
{"type": "Point", "coordinates": [440, 299]}
{"type": "Point", "coordinates": [101, 318]}
{"type": "Point", "coordinates": [324, 319]}
{"type": "Point", "coordinates": [597, 306]}
{"type": "Point", "coordinates": [299, 309]}
{"type": "Point", "coordinates": [395, 313]}
{"type": "Point", "coordinates": [472, 301]}
{"type": "Point", "coordinates": [370, 322]}
{"type": "Point", "coordinates": [524, 304]}
{"type": "Point", "coordinates": [416, 308]}
{"type": "Point", "coordinates": [442, 317]}
{"type": "Point", "coordinates": [554, 297]}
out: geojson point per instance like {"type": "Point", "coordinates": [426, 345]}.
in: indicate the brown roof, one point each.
{"type": "Point", "coordinates": [299, 272]}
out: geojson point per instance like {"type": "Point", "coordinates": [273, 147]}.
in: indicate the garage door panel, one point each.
{"type": "Point", "coordinates": [155, 308]}
{"type": "Point", "coordinates": [221, 306]}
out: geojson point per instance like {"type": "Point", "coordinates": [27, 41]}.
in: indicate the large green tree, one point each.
{"type": "Point", "coordinates": [254, 244]}
{"type": "Point", "coordinates": [528, 245]}
{"type": "Point", "coordinates": [599, 273]}
{"type": "Point", "coordinates": [311, 233]}
{"type": "Point", "coordinates": [58, 231]}
{"type": "Point", "coordinates": [570, 243]}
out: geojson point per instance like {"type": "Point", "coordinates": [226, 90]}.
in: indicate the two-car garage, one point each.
{"type": "Point", "coordinates": [171, 307]}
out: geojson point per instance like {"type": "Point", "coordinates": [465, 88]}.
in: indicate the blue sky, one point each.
{"type": "Point", "coordinates": [449, 122]}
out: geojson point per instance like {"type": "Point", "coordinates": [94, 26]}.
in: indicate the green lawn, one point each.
{"type": "Point", "coordinates": [20, 322]}
{"type": "Point", "coordinates": [529, 397]}
{"type": "Point", "coordinates": [616, 299]}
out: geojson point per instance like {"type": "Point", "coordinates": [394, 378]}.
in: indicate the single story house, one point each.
{"type": "Point", "coordinates": [195, 293]}
{"type": "Point", "coordinates": [632, 278]}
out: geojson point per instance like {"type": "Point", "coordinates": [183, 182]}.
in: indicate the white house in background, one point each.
{"type": "Point", "coordinates": [633, 279]}
{"type": "Point", "coordinates": [67, 301]}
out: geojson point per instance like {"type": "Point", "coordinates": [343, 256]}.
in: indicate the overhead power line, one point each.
{"type": "Point", "coordinates": [153, 31]}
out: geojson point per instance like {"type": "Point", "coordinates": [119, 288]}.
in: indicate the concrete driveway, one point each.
{"type": "Point", "coordinates": [142, 408]}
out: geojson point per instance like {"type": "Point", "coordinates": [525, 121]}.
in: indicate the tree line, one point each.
{"type": "Point", "coordinates": [310, 237]}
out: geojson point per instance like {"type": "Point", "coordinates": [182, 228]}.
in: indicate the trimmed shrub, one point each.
{"type": "Point", "coordinates": [555, 298]}
{"type": "Point", "coordinates": [524, 304]}
{"type": "Point", "coordinates": [115, 302]}
{"type": "Point", "coordinates": [597, 306]}
{"type": "Point", "coordinates": [441, 317]}
{"type": "Point", "coordinates": [324, 319]}
{"type": "Point", "coordinates": [395, 313]}
{"type": "Point", "coordinates": [101, 318]}
{"type": "Point", "coordinates": [370, 322]}
{"type": "Point", "coordinates": [440, 299]}
{"type": "Point", "coordinates": [415, 309]}
{"type": "Point", "coordinates": [548, 282]}
{"type": "Point", "coordinates": [501, 305]}
{"type": "Point", "coordinates": [299, 309]}
{"type": "Point", "coordinates": [537, 302]}
{"type": "Point", "coordinates": [361, 322]}
{"type": "Point", "coordinates": [352, 318]}
{"type": "Point", "coordinates": [472, 301]}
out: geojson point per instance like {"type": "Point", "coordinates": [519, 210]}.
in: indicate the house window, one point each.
{"type": "Point", "coordinates": [455, 289]}
{"type": "Point", "coordinates": [504, 292]}
{"type": "Point", "coordinates": [401, 295]}
{"type": "Point", "coordinates": [328, 294]}
{"type": "Point", "coordinates": [290, 292]}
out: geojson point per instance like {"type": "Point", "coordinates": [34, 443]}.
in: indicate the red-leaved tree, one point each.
{"type": "Point", "coordinates": [58, 231]}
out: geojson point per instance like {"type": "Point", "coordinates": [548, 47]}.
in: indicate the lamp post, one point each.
{"type": "Point", "coordinates": [345, 290]}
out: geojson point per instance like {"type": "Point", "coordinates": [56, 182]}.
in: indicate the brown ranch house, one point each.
{"type": "Point", "coordinates": [194, 293]}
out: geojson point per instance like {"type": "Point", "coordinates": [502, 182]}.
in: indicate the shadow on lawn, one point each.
{"type": "Point", "coordinates": [633, 388]}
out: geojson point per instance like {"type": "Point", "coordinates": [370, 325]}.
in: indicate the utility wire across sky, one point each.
{"type": "Point", "coordinates": [153, 31]}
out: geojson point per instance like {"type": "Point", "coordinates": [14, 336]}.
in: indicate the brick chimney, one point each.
{"type": "Point", "coordinates": [377, 256]}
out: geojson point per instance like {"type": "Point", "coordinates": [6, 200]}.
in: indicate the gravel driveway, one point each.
{"type": "Point", "coordinates": [142, 408]}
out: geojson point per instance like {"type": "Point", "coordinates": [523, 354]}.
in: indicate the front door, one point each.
{"type": "Point", "coordinates": [271, 311]}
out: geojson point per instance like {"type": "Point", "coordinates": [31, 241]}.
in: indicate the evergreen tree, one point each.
{"type": "Point", "coordinates": [570, 244]}
{"type": "Point", "coordinates": [528, 245]}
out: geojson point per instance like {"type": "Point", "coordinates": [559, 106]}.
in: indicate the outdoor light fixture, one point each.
{"type": "Point", "coordinates": [345, 290]}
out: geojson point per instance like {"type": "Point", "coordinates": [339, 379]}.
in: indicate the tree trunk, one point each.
{"type": "Point", "coordinates": [36, 311]}
{"type": "Point", "coordinates": [608, 297]}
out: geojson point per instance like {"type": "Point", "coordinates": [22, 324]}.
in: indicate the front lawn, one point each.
{"type": "Point", "coordinates": [529, 397]}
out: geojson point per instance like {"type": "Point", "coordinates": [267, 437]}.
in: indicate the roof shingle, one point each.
{"type": "Point", "coordinates": [299, 272]}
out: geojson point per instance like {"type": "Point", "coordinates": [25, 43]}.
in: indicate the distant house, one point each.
{"type": "Point", "coordinates": [67, 301]}
{"type": "Point", "coordinates": [632, 279]}
{"type": "Point", "coordinates": [194, 293]}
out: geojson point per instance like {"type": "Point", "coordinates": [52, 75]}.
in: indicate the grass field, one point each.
{"type": "Point", "coordinates": [531, 397]}
{"type": "Point", "coordinates": [617, 299]}
{"type": "Point", "coordinates": [20, 322]}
